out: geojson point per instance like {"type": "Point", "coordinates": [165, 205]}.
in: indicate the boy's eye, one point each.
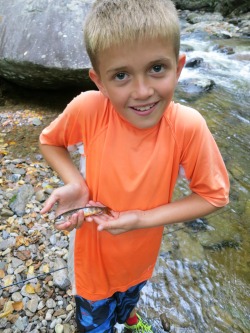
{"type": "Point", "coordinates": [157, 68]}
{"type": "Point", "coordinates": [120, 76]}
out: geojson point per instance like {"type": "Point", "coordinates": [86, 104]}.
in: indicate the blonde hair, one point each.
{"type": "Point", "coordinates": [117, 22]}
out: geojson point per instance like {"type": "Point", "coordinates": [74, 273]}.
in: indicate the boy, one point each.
{"type": "Point", "coordinates": [134, 141]}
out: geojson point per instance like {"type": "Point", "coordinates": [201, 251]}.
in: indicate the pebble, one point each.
{"type": "Point", "coordinates": [69, 308]}
{"type": "Point", "coordinates": [67, 328]}
{"type": "Point", "coordinates": [48, 315]}
{"type": "Point", "coordinates": [59, 328]}
{"type": "Point", "coordinates": [32, 305]}
{"type": "Point", "coordinates": [41, 305]}
{"type": "Point", "coordinates": [36, 122]}
{"type": "Point", "coordinates": [6, 212]}
{"type": "Point", "coordinates": [51, 304]}
{"type": "Point", "coordinates": [17, 297]}
{"type": "Point", "coordinates": [40, 196]}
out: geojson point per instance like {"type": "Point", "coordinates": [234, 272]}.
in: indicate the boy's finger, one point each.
{"type": "Point", "coordinates": [63, 226]}
{"type": "Point", "coordinates": [106, 226]}
{"type": "Point", "coordinates": [80, 216]}
{"type": "Point", "coordinates": [95, 203]}
{"type": "Point", "coordinates": [49, 203]}
{"type": "Point", "coordinates": [89, 219]}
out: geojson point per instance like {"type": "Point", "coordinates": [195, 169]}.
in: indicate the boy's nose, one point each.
{"type": "Point", "coordinates": [142, 89]}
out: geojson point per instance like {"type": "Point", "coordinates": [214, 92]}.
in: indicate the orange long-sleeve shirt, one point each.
{"type": "Point", "coordinates": [129, 168]}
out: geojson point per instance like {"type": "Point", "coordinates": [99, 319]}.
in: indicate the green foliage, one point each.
{"type": "Point", "coordinates": [227, 7]}
{"type": "Point", "coordinates": [13, 199]}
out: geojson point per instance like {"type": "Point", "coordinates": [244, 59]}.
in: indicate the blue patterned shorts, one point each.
{"type": "Point", "coordinates": [101, 316]}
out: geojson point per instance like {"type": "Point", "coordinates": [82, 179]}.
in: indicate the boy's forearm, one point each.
{"type": "Point", "coordinates": [186, 209]}
{"type": "Point", "coordinates": [60, 161]}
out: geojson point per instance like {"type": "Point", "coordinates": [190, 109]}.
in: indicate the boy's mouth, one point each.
{"type": "Point", "coordinates": [145, 109]}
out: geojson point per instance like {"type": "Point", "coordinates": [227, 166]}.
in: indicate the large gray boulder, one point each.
{"type": "Point", "coordinates": [41, 43]}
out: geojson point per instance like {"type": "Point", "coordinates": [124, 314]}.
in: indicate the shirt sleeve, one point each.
{"type": "Point", "coordinates": [77, 123]}
{"type": "Point", "coordinates": [202, 160]}
{"type": "Point", "coordinates": [65, 130]}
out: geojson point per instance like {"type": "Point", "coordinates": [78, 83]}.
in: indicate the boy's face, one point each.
{"type": "Point", "coordinates": [139, 79]}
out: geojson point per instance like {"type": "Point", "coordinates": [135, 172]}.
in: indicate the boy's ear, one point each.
{"type": "Point", "coordinates": [97, 80]}
{"type": "Point", "coordinates": [180, 64]}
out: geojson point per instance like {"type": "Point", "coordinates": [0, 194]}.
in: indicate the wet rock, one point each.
{"type": "Point", "coordinates": [218, 237]}
{"type": "Point", "coordinates": [190, 249]}
{"type": "Point", "coordinates": [223, 49]}
{"type": "Point", "coordinates": [177, 318]}
{"type": "Point", "coordinates": [194, 87]}
{"type": "Point", "coordinates": [194, 17]}
{"type": "Point", "coordinates": [165, 322]}
{"type": "Point", "coordinates": [186, 48]}
{"type": "Point", "coordinates": [197, 225]}
{"type": "Point", "coordinates": [194, 62]}
{"type": "Point", "coordinates": [209, 31]}
{"type": "Point", "coordinates": [241, 57]}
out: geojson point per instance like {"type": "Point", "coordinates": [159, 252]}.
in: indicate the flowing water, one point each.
{"type": "Point", "coordinates": [201, 281]}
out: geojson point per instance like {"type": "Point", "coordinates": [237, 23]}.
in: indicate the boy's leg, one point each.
{"type": "Point", "coordinates": [126, 313]}
{"type": "Point", "coordinates": [95, 317]}
{"type": "Point", "coordinates": [127, 301]}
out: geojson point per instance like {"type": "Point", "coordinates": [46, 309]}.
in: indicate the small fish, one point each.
{"type": "Point", "coordinates": [88, 211]}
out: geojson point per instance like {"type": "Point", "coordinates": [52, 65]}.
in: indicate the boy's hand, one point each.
{"type": "Point", "coordinates": [73, 222]}
{"type": "Point", "coordinates": [68, 197]}
{"type": "Point", "coordinates": [118, 223]}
